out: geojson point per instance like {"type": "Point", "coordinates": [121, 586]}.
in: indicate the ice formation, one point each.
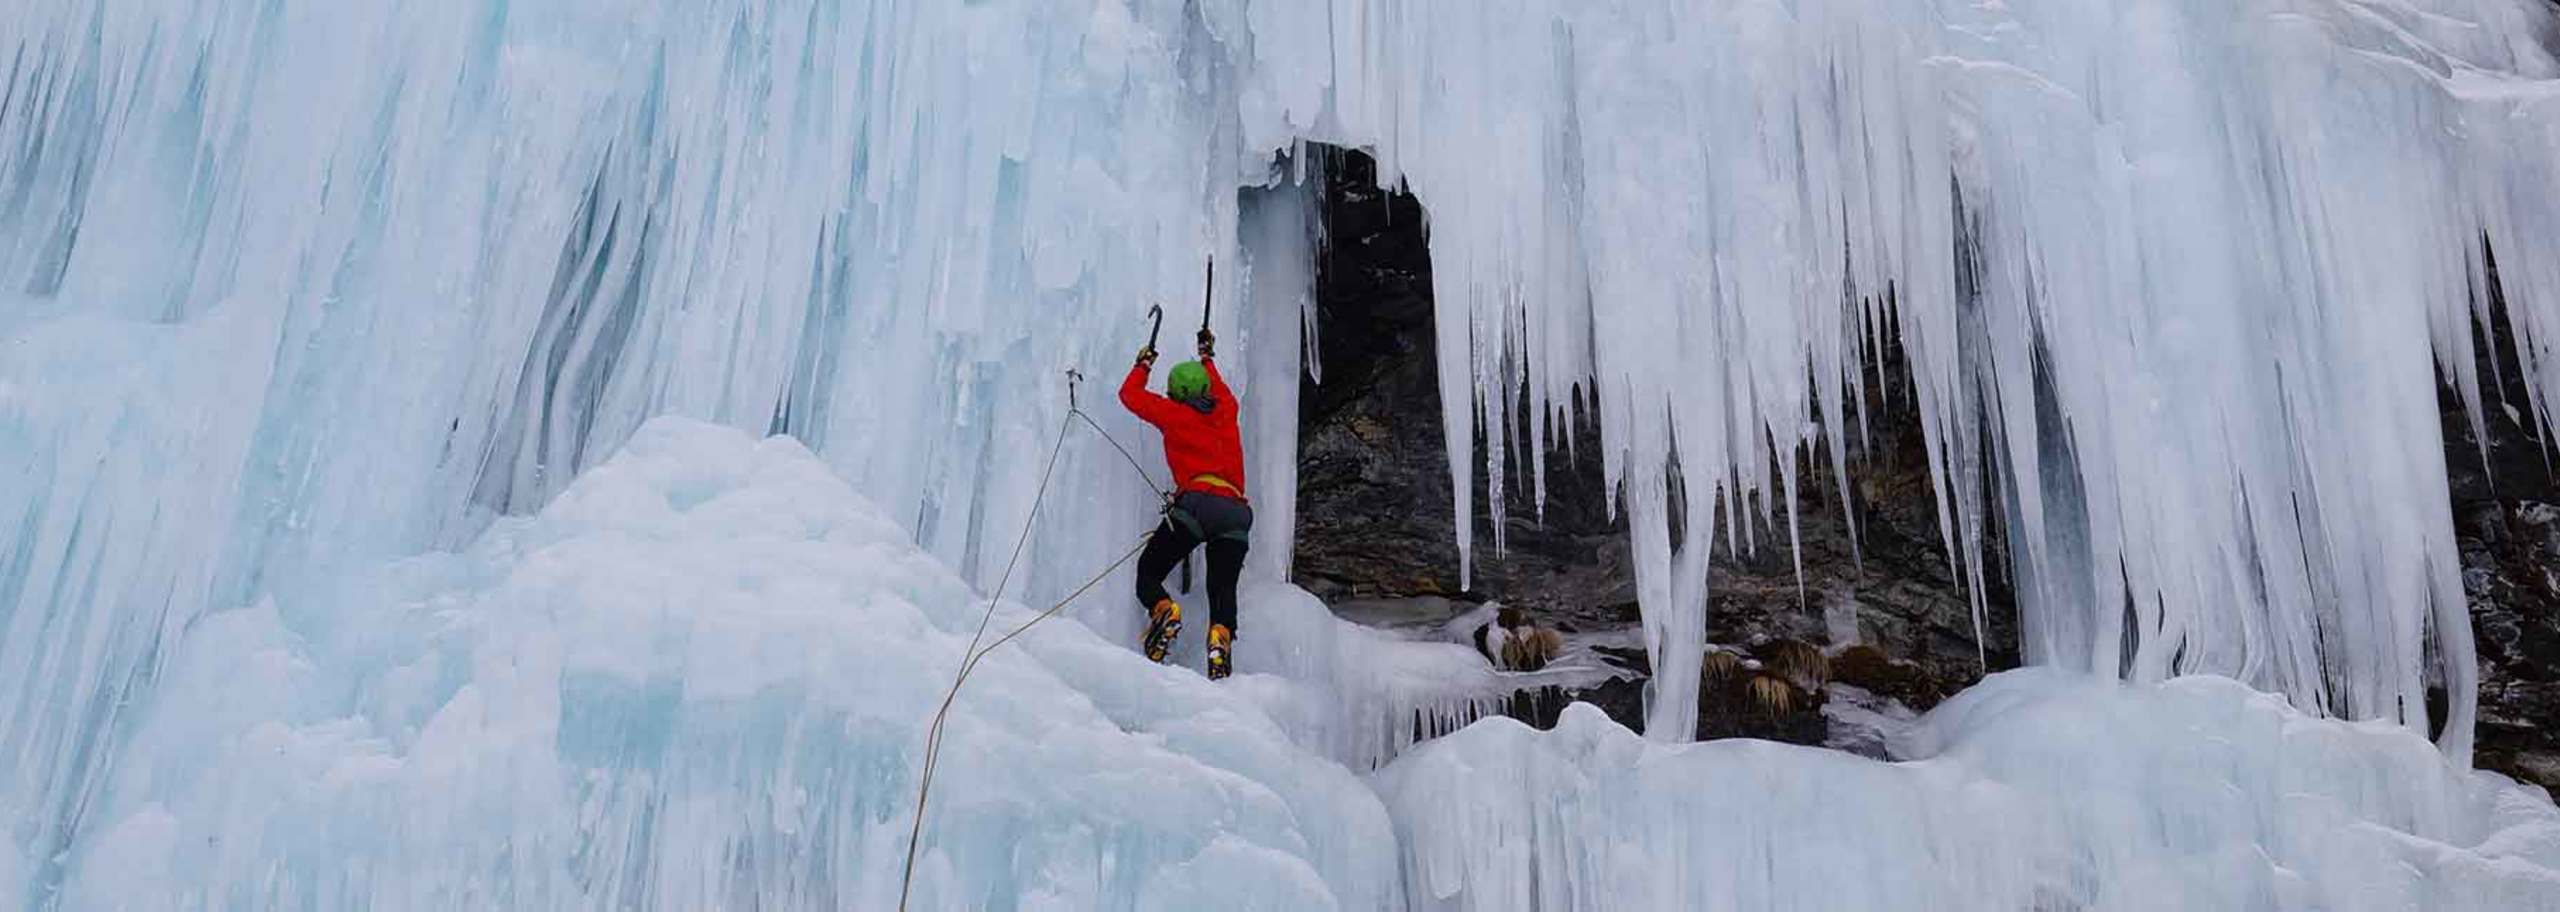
{"type": "Point", "coordinates": [698, 680]}
{"type": "Point", "coordinates": [2037, 789]}
{"type": "Point", "coordinates": [2177, 279]}
{"type": "Point", "coordinates": [1377, 692]}
{"type": "Point", "coordinates": [292, 289]}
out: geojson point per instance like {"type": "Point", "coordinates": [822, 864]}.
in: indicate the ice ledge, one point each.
{"type": "Point", "coordinates": [2036, 789]}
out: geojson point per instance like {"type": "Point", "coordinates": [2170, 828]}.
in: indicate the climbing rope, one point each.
{"type": "Point", "coordinates": [1124, 453]}
{"type": "Point", "coordinates": [1075, 377]}
{"type": "Point", "coordinates": [974, 654]}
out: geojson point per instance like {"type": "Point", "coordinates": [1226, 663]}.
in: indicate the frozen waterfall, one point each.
{"type": "Point", "coordinates": [311, 310]}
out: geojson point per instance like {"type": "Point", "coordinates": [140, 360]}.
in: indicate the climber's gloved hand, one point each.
{"type": "Point", "coordinates": [1147, 357]}
{"type": "Point", "coordinates": [1208, 345]}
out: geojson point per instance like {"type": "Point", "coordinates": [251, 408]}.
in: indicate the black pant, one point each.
{"type": "Point", "coordinates": [1223, 522]}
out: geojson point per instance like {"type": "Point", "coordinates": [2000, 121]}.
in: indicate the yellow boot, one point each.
{"type": "Point", "coordinates": [1220, 639]}
{"type": "Point", "coordinates": [1164, 623]}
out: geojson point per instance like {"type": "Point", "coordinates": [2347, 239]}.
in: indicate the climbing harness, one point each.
{"type": "Point", "coordinates": [974, 654]}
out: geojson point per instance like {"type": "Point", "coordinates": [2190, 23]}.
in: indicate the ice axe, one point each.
{"type": "Point", "coordinates": [1155, 328]}
{"type": "Point", "coordinates": [1155, 312]}
{"type": "Point", "coordinates": [1155, 316]}
{"type": "Point", "coordinates": [1208, 294]}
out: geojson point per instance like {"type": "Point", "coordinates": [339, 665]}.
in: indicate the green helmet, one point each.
{"type": "Point", "coordinates": [1187, 382]}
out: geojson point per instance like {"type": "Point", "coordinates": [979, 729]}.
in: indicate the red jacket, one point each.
{"type": "Point", "coordinates": [1199, 447]}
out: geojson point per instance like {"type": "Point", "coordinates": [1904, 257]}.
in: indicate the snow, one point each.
{"type": "Point", "coordinates": [698, 679]}
{"type": "Point", "coordinates": [1366, 694]}
{"type": "Point", "coordinates": [2036, 789]}
{"type": "Point", "coordinates": [294, 291]}
{"type": "Point", "coordinates": [701, 675]}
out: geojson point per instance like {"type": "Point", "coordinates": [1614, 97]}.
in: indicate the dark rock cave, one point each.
{"type": "Point", "coordinates": [1375, 525]}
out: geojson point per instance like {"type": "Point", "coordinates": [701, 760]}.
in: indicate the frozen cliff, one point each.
{"type": "Point", "coordinates": [295, 291]}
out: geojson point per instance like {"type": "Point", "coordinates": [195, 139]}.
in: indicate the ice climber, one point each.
{"type": "Point", "coordinates": [1197, 414]}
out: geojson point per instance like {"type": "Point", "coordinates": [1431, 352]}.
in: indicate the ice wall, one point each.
{"type": "Point", "coordinates": [2177, 280]}
{"type": "Point", "coordinates": [294, 287]}
{"type": "Point", "coordinates": [2038, 789]}
{"type": "Point", "coordinates": [698, 680]}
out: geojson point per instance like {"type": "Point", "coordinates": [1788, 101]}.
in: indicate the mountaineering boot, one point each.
{"type": "Point", "coordinates": [1220, 639]}
{"type": "Point", "coordinates": [1164, 623]}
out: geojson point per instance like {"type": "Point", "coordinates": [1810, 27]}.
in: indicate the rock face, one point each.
{"type": "Point", "coordinates": [2511, 573]}
{"type": "Point", "coordinates": [1374, 522]}
{"type": "Point", "coordinates": [1374, 494]}
{"type": "Point", "coordinates": [2506, 516]}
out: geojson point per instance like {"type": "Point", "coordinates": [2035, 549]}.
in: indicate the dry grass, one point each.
{"type": "Point", "coordinates": [1801, 663]}
{"type": "Point", "coordinates": [1722, 667]}
{"type": "Point", "coordinates": [1773, 694]}
{"type": "Point", "coordinates": [1531, 648]}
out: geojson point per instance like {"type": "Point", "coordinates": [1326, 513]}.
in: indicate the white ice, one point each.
{"type": "Point", "coordinates": [699, 679]}
{"type": "Point", "coordinates": [2177, 280]}
{"type": "Point", "coordinates": [2037, 789]}
{"type": "Point", "coordinates": [292, 289]}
